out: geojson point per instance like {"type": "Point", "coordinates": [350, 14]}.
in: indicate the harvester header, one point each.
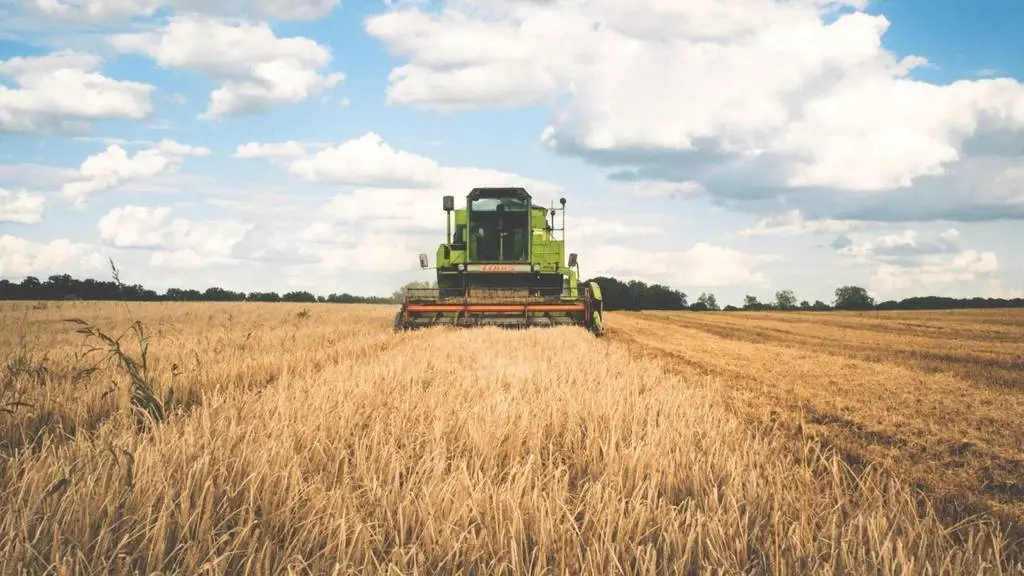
{"type": "Point", "coordinates": [503, 264]}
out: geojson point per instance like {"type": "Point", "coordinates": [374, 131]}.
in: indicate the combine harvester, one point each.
{"type": "Point", "coordinates": [503, 267]}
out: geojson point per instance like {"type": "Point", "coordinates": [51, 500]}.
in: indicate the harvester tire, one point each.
{"type": "Point", "coordinates": [398, 322]}
{"type": "Point", "coordinates": [596, 326]}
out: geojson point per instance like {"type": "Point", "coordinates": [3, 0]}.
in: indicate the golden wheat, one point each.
{"type": "Point", "coordinates": [323, 443]}
{"type": "Point", "coordinates": [937, 398]}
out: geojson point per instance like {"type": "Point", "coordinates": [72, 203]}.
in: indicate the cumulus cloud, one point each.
{"type": "Point", "coordinates": [793, 223]}
{"type": "Point", "coordinates": [35, 176]}
{"type": "Point", "coordinates": [902, 246]}
{"type": "Point", "coordinates": [755, 100]}
{"type": "Point", "coordinates": [702, 265]}
{"type": "Point", "coordinates": [589, 230]}
{"type": "Point", "coordinates": [20, 257]}
{"type": "Point", "coordinates": [256, 68]}
{"type": "Point", "coordinates": [906, 261]}
{"type": "Point", "coordinates": [63, 91]}
{"type": "Point", "coordinates": [178, 243]}
{"type": "Point", "coordinates": [98, 11]}
{"type": "Point", "coordinates": [936, 270]}
{"type": "Point", "coordinates": [21, 206]}
{"type": "Point", "coordinates": [391, 189]}
{"type": "Point", "coordinates": [290, 149]}
{"type": "Point", "coordinates": [658, 188]}
{"type": "Point", "coordinates": [908, 244]}
{"type": "Point", "coordinates": [368, 160]}
{"type": "Point", "coordinates": [114, 166]}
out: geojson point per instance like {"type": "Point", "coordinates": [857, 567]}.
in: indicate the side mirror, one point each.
{"type": "Point", "coordinates": [449, 203]}
{"type": "Point", "coordinates": [572, 260]}
{"type": "Point", "coordinates": [424, 263]}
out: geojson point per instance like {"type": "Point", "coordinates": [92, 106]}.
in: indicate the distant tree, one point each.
{"type": "Point", "coordinates": [193, 294]}
{"type": "Point", "coordinates": [218, 294]}
{"type": "Point", "coordinates": [752, 303]}
{"type": "Point", "coordinates": [399, 295]}
{"type": "Point", "coordinates": [709, 301]}
{"type": "Point", "coordinates": [263, 297]}
{"type": "Point", "coordinates": [637, 295]}
{"type": "Point", "coordinates": [658, 297]}
{"type": "Point", "coordinates": [805, 305]}
{"type": "Point", "coordinates": [730, 308]}
{"type": "Point", "coordinates": [785, 300]}
{"type": "Point", "coordinates": [699, 307]}
{"type": "Point", "coordinates": [299, 296]}
{"type": "Point", "coordinates": [853, 298]}
{"type": "Point", "coordinates": [819, 306]}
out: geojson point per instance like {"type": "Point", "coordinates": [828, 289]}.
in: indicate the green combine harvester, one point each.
{"type": "Point", "coordinates": [503, 266]}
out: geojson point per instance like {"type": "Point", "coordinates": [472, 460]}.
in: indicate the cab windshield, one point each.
{"type": "Point", "coordinates": [499, 230]}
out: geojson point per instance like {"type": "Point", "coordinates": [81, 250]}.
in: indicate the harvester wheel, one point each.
{"type": "Point", "coordinates": [398, 322]}
{"type": "Point", "coordinates": [596, 326]}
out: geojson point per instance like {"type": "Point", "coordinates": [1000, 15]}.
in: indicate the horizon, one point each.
{"type": "Point", "coordinates": [267, 147]}
{"type": "Point", "coordinates": [761, 302]}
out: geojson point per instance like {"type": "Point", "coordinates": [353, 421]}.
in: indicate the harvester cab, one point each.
{"type": "Point", "coordinates": [503, 263]}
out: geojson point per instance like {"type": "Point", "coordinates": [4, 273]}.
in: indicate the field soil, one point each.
{"type": "Point", "coordinates": [283, 438]}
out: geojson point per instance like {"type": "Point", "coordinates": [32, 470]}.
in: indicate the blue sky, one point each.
{"type": "Point", "coordinates": [735, 147]}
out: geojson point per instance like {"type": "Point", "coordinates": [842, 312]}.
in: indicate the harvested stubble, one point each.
{"type": "Point", "coordinates": [936, 397]}
{"type": "Point", "coordinates": [327, 442]}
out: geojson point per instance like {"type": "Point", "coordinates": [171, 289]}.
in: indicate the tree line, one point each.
{"type": "Point", "coordinates": [64, 287]}
{"type": "Point", "coordinates": [618, 295]}
{"type": "Point", "coordinates": [637, 295]}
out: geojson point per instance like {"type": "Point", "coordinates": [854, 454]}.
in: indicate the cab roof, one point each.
{"type": "Point", "coordinates": [519, 193]}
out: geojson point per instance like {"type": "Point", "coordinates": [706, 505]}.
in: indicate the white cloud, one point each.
{"type": "Point", "coordinates": [35, 176]}
{"type": "Point", "coordinates": [764, 92]}
{"type": "Point", "coordinates": [905, 262]}
{"type": "Point", "coordinates": [114, 166]}
{"type": "Point", "coordinates": [134, 226]}
{"type": "Point", "coordinates": [21, 207]}
{"type": "Point", "coordinates": [290, 149]}
{"type": "Point", "coordinates": [793, 223]}
{"type": "Point", "coordinates": [97, 11]}
{"type": "Point", "coordinates": [997, 289]}
{"type": "Point", "coordinates": [64, 91]}
{"type": "Point", "coordinates": [20, 257]}
{"type": "Point", "coordinates": [256, 68]}
{"type": "Point", "coordinates": [180, 243]}
{"type": "Point", "coordinates": [903, 246]}
{"type": "Point", "coordinates": [658, 189]}
{"type": "Point", "coordinates": [368, 160]}
{"type": "Point", "coordinates": [373, 253]}
{"type": "Point", "coordinates": [702, 265]}
{"type": "Point", "coordinates": [936, 270]}
{"type": "Point", "coordinates": [460, 62]}
{"type": "Point", "coordinates": [394, 212]}
{"type": "Point", "coordinates": [589, 229]}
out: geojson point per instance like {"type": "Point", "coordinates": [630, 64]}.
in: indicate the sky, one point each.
{"type": "Point", "coordinates": [727, 146]}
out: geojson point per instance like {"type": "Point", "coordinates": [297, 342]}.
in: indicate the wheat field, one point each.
{"type": "Point", "coordinates": [313, 440]}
